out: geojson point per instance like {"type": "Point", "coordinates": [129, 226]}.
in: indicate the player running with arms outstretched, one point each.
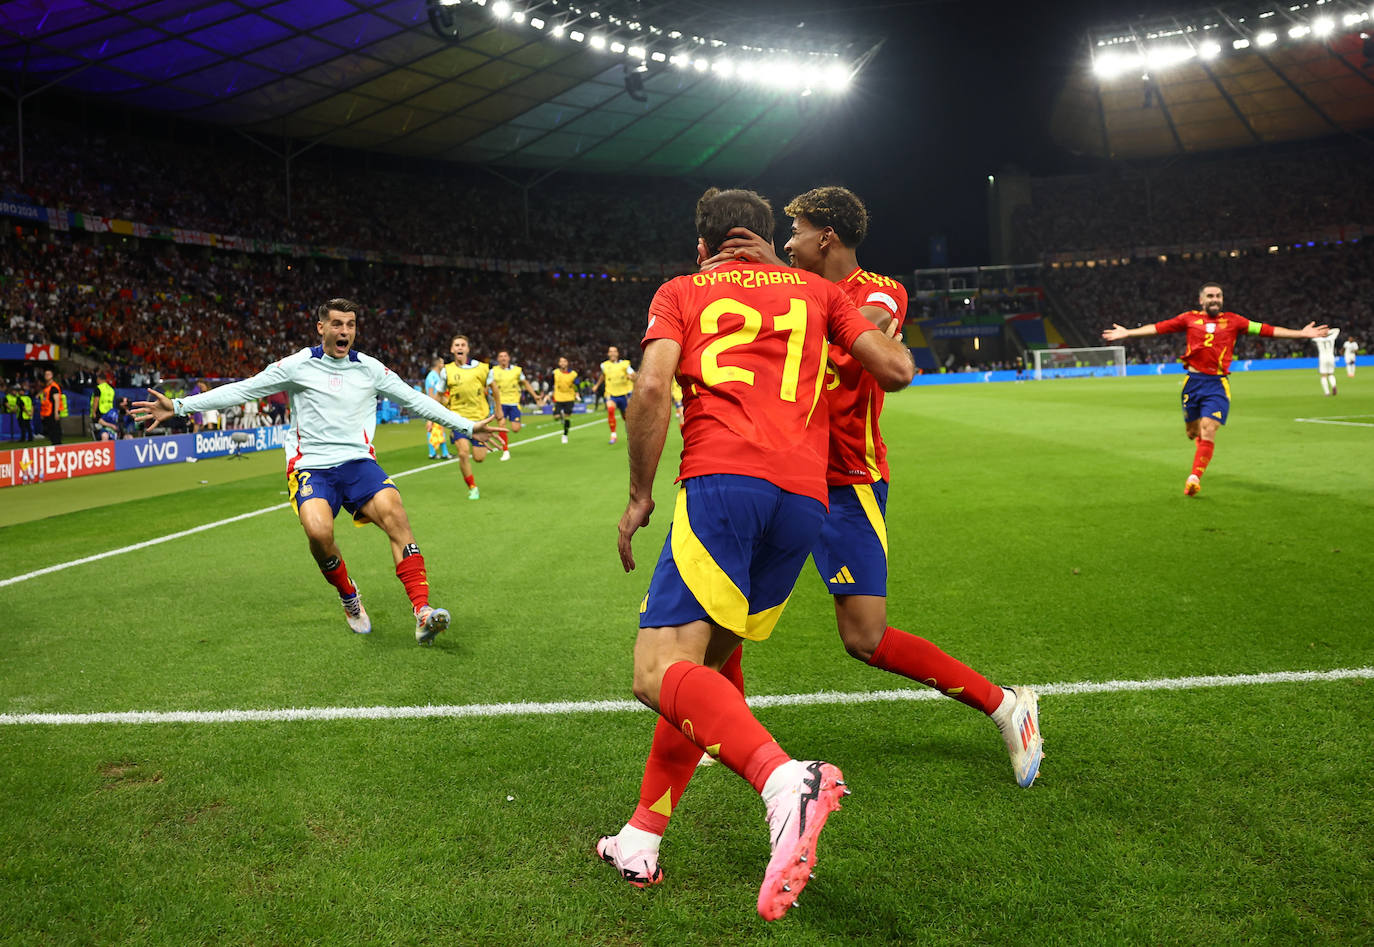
{"type": "Point", "coordinates": [330, 458]}
{"type": "Point", "coordinates": [748, 343]}
{"type": "Point", "coordinates": [1211, 335]}
{"type": "Point", "coordinates": [1326, 360]}
{"type": "Point", "coordinates": [617, 376]}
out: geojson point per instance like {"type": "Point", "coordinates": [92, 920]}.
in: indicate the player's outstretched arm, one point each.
{"type": "Point", "coordinates": [647, 418]}
{"type": "Point", "coordinates": [154, 411]}
{"type": "Point", "coordinates": [1118, 332]}
{"type": "Point", "coordinates": [1309, 331]}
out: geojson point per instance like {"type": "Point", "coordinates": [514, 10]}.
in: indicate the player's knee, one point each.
{"type": "Point", "coordinates": [861, 640]}
{"type": "Point", "coordinates": [648, 681]}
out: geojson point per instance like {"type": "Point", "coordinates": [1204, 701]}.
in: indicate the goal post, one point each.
{"type": "Point", "coordinates": [1099, 361]}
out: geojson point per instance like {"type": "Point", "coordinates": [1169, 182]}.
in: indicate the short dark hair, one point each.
{"type": "Point", "coordinates": [838, 208]}
{"type": "Point", "coordinates": [337, 304]}
{"type": "Point", "coordinates": [1203, 288]}
{"type": "Point", "coordinates": [719, 212]}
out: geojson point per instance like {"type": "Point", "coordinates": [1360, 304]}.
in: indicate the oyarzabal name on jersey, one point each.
{"type": "Point", "coordinates": [747, 278]}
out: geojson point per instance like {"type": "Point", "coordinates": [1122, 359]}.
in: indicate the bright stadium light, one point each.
{"type": "Point", "coordinates": [723, 68]}
{"type": "Point", "coordinates": [597, 41]}
{"type": "Point", "coordinates": [837, 76]}
{"type": "Point", "coordinates": [1209, 50]}
{"type": "Point", "coordinates": [500, 9]}
{"type": "Point", "coordinates": [537, 23]}
{"type": "Point", "coordinates": [518, 16]}
{"type": "Point", "coordinates": [637, 52]}
{"type": "Point", "coordinates": [577, 36]}
{"type": "Point", "coordinates": [1324, 26]}
{"type": "Point", "coordinates": [1162, 56]}
{"type": "Point", "coordinates": [1241, 44]}
{"type": "Point", "coordinates": [1111, 65]}
{"type": "Point", "coordinates": [617, 47]}
{"type": "Point", "coordinates": [700, 65]}
{"type": "Point", "coordinates": [1267, 38]}
{"type": "Point", "coordinates": [1299, 31]}
{"type": "Point", "coordinates": [1350, 19]}
{"type": "Point", "coordinates": [657, 56]}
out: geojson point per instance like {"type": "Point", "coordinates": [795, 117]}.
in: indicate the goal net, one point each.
{"type": "Point", "coordinates": [1101, 361]}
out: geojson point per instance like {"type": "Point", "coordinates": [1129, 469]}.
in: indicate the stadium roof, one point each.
{"type": "Point", "coordinates": [380, 76]}
{"type": "Point", "coordinates": [1222, 77]}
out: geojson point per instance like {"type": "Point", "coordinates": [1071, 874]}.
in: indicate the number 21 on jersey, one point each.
{"type": "Point", "coordinates": [793, 322]}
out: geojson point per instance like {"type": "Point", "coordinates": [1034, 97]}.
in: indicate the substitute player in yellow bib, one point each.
{"type": "Point", "coordinates": [564, 394]}
{"type": "Point", "coordinates": [507, 380]}
{"type": "Point", "coordinates": [618, 377]}
{"type": "Point", "coordinates": [466, 385]}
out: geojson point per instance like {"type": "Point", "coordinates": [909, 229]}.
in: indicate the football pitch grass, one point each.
{"type": "Point", "coordinates": [1037, 531]}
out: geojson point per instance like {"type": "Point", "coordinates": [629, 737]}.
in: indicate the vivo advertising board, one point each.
{"type": "Point", "coordinates": [176, 448]}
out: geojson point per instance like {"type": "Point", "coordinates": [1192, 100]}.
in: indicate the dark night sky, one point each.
{"type": "Point", "coordinates": [960, 90]}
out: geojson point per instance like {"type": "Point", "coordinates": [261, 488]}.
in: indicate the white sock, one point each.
{"type": "Point", "coordinates": [782, 779]}
{"type": "Point", "coordinates": [1326, 385]}
{"type": "Point", "coordinates": [634, 840]}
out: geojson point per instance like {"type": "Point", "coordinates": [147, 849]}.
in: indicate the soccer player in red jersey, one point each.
{"type": "Point", "coordinates": [747, 343]}
{"type": "Point", "coordinates": [1211, 337]}
{"type": "Point", "coordinates": [851, 551]}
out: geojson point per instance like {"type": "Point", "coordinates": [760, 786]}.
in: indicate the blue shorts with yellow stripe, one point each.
{"type": "Point", "coordinates": [1206, 396]}
{"type": "Point", "coordinates": [732, 556]}
{"type": "Point", "coordinates": [349, 485]}
{"type": "Point", "coordinates": [851, 552]}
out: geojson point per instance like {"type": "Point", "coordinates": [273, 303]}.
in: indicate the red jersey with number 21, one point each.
{"type": "Point", "coordinates": [857, 451]}
{"type": "Point", "coordinates": [753, 361]}
{"type": "Point", "coordinates": [1211, 341]}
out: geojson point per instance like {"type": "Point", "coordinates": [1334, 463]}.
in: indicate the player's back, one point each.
{"type": "Point", "coordinates": [753, 361]}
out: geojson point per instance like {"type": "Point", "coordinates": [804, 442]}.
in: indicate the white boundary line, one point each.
{"type": "Point", "coordinates": [1333, 420]}
{"type": "Point", "coordinates": [14, 580]}
{"type": "Point", "coordinates": [296, 714]}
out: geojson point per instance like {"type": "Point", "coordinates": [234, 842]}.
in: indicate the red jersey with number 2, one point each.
{"type": "Point", "coordinates": [1211, 341]}
{"type": "Point", "coordinates": [753, 361]}
{"type": "Point", "coordinates": [857, 451]}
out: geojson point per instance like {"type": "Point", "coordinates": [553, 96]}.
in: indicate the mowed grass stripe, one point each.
{"type": "Point", "coordinates": [530, 709]}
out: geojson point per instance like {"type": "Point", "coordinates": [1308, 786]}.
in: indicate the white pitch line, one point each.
{"type": "Point", "coordinates": [1333, 420]}
{"type": "Point", "coordinates": [297, 714]}
{"type": "Point", "coordinates": [13, 580]}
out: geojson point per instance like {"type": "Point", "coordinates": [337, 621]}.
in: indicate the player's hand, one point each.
{"type": "Point", "coordinates": [1314, 331]}
{"type": "Point", "coordinates": [1116, 333]}
{"type": "Point", "coordinates": [637, 514]}
{"type": "Point", "coordinates": [894, 329]}
{"type": "Point", "coordinates": [744, 244]}
{"type": "Point", "coordinates": [156, 411]}
{"type": "Point", "coordinates": [483, 433]}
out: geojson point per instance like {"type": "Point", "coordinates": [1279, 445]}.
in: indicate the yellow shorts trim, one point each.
{"type": "Point", "coordinates": [869, 502]}
{"type": "Point", "coordinates": [712, 587]}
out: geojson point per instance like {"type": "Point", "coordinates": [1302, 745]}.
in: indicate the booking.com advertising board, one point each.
{"type": "Point", "coordinates": [41, 464]}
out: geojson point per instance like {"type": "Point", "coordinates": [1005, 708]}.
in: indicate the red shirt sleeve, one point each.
{"type": "Point", "coordinates": [844, 324]}
{"type": "Point", "coordinates": [892, 299]}
{"type": "Point", "coordinates": [1178, 323]}
{"type": "Point", "coordinates": [665, 315]}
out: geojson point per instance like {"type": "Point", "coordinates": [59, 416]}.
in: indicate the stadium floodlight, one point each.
{"type": "Point", "coordinates": [577, 36]}
{"type": "Point", "coordinates": [537, 23]}
{"type": "Point", "coordinates": [700, 65]}
{"type": "Point", "coordinates": [637, 52]}
{"type": "Point", "coordinates": [1111, 65]}
{"type": "Point", "coordinates": [1350, 19]}
{"type": "Point", "coordinates": [1299, 31]}
{"type": "Point", "coordinates": [837, 76]}
{"type": "Point", "coordinates": [617, 47]}
{"type": "Point", "coordinates": [657, 56]}
{"type": "Point", "coordinates": [1209, 50]}
{"type": "Point", "coordinates": [1240, 44]}
{"type": "Point", "coordinates": [500, 9]}
{"type": "Point", "coordinates": [518, 16]}
{"type": "Point", "coordinates": [1267, 38]}
{"type": "Point", "coordinates": [1162, 56]}
{"type": "Point", "coordinates": [723, 67]}
{"type": "Point", "coordinates": [597, 41]}
{"type": "Point", "coordinates": [1324, 26]}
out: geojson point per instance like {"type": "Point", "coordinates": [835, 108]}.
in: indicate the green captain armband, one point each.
{"type": "Point", "coordinates": [1259, 328]}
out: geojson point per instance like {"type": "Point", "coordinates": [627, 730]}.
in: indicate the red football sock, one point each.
{"type": "Point", "coordinates": [470, 480]}
{"type": "Point", "coordinates": [610, 415]}
{"type": "Point", "coordinates": [672, 760]}
{"type": "Point", "coordinates": [903, 653]}
{"type": "Point", "coordinates": [338, 577]}
{"type": "Point", "coordinates": [712, 714]}
{"type": "Point", "coordinates": [505, 439]}
{"type": "Point", "coordinates": [1203, 455]}
{"type": "Point", "coordinates": [411, 572]}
